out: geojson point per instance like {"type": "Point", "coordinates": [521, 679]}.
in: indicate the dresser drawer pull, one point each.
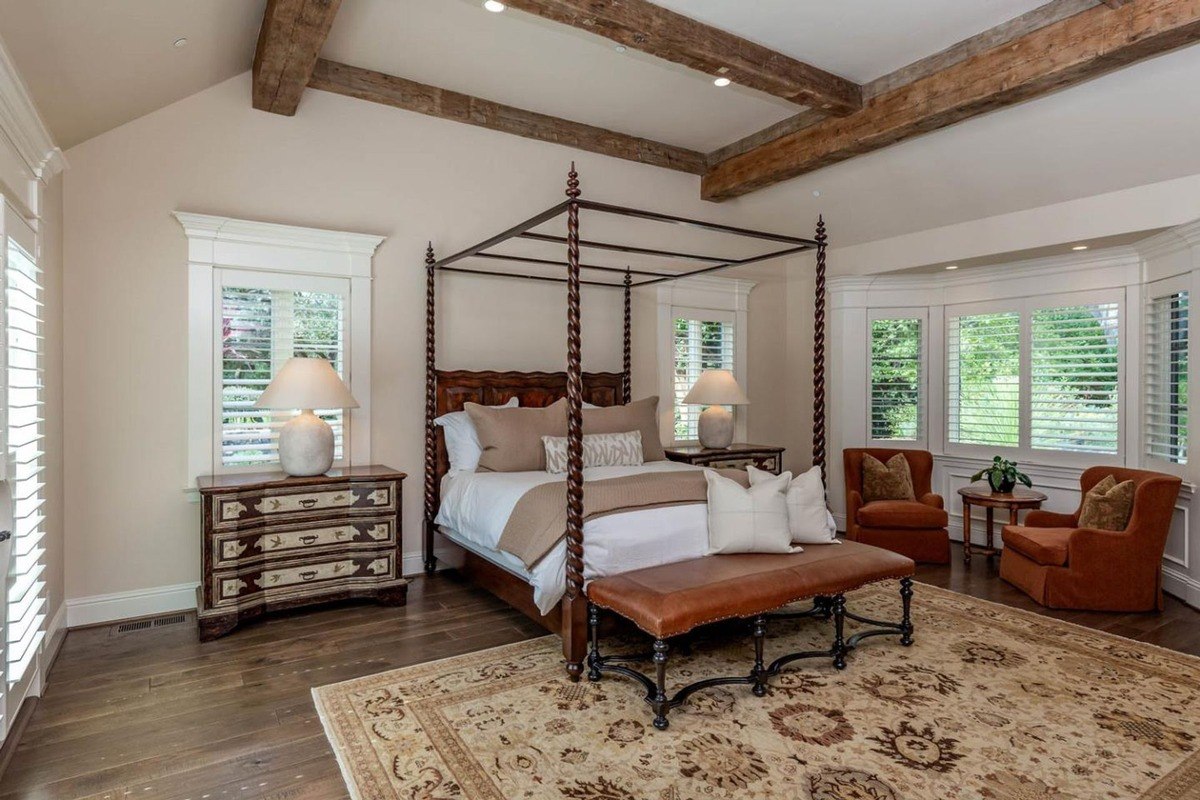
{"type": "Point", "coordinates": [308, 576]}
{"type": "Point", "coordinates": [308, 502]}
{"type": "Point", "coordinates": [309, 539]}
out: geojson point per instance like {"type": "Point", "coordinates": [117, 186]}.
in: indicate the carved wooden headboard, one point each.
{"type": "Point", "coordinates": [532, 390]}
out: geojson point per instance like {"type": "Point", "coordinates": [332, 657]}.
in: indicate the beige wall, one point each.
{"type": "Point", "coordinates": [340, 164]}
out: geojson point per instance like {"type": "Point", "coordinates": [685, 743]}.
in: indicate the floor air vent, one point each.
{"type": "Point", "coordinates": [147, 624]}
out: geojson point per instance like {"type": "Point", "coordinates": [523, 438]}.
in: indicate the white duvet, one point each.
{"type": "Point", "coordinates": [476, 506]}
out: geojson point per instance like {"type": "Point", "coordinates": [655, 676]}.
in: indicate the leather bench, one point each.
{"type": "Point", "coordinates": [673, 599]}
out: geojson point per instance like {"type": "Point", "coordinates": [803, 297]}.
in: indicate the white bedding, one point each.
{"type": "Point", "coordinates": [476, 506]}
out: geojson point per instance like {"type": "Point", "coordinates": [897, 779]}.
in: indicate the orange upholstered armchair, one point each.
{"type": "Point", "coordinates": [1061, 565]}
{"type": "Point", "coordinates": [915, 528]}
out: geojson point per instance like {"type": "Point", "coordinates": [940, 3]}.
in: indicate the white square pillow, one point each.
{"type": "Point", "coordinates": [809, 519]}
{"type": "Point", "coordinates": [462, 442]}
{"type": "Point", "coordinates": [753, 520]}
{"type": "Point", "coordinates": [599, 450]}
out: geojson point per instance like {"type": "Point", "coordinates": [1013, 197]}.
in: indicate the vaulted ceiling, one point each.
{"type": "Point", "coordinates": [812, 83]}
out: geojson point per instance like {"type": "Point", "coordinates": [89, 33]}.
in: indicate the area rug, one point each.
{"type": "Point", "coordinates": [991, 703]}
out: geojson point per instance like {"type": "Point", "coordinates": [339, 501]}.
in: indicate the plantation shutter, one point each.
{"type": "Point", "coordinates": [1074, 379]}
{"type": "Point", "coordinates": [26, 613]}
{"type": "Point", "coordinates": [700, 344]}
{"type": "Point", "coordinates": [262, 327]}
{"type": "Point", "coordinates": [1165, 383]}
{"type": "Point", "coordinates": [897, 380]}
{"type": "Point", "coordinates": [983, 379]}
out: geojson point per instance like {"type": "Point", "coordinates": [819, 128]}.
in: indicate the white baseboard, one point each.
{"type": "Point", "coordinates": [447, 556]}
{"type": "Point", "coordinates": [1182, 586]}
{"type": "Point", "coordinates": [102, 608]}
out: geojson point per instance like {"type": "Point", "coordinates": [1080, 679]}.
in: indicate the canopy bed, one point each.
{"type": "Point", "coordinates": [535, 592]}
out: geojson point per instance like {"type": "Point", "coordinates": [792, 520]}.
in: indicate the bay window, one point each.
{"type": "Point", "coordinates": [897, 379]}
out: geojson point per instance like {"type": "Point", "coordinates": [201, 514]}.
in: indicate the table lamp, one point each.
{"type": "Point", "coordinates": [716, 389]}
{"type": "Point", "coordinates": [306, 441]}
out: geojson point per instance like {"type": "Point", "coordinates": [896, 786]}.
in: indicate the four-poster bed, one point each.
{"type": "Point", "coordinates": [447, 391]}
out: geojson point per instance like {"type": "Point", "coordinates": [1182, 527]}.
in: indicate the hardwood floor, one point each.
{"type": "Point", "coordinates": [157, 714]}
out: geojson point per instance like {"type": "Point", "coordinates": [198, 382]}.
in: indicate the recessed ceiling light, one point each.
{"type": "Point", "coordinates": [1080, 247]}
{"type": "Point", "coordinates": [816, 192]}
{"type": "Point", "coordinates": [494, 6]}
{"type": "Point", "coordinates": [722, 82]}
{"type": "Point", "coordinates": [952, 266]}
{"type": "Point", "coordinates": [180, 42]}
{"type": "Point", "coordinates": [620, 48]}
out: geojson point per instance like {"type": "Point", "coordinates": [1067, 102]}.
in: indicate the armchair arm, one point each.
{"type": "Point", "coordinates": [1089, 545]}
{"type": "Point", "coordinates": [1050, 519]}
{"type": "Point", "coordinates": [931, 499]}
{"type": "Point", "coordinates": [854, 502]}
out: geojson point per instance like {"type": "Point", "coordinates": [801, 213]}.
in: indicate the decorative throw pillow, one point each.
{"type": "Point", "coordinates": [753, 520]}
{"type": "Point", "coordinates": [891, 481]}
{"type": "Point", "coordinates": [599, 450]}
{"type": "Point", "coordinates": [1108, 505]}
{"type": "Point", "coordinates": [809, 519]}
{"type": "Point", "coordinates": [462, 442]}
{"type": "Point", "coordinates": [512, 437]}
{"type": "Point", "coordinates": [640, 415]}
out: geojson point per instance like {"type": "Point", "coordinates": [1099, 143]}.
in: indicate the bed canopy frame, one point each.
{"type": "Point", "coordinates": [570, 619]}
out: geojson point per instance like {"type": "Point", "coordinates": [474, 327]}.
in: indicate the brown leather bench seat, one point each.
{"type": "Point", "coordinates": [672, 599]}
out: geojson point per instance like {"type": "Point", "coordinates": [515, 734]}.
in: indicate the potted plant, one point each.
{"type": "Point", "coordinates": [1002, 475]}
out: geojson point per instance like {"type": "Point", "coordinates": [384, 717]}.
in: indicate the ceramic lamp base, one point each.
{"type": "Point", "coordinates": [306, 445]}
{"type": "Point", "coordinates": [716, 428]}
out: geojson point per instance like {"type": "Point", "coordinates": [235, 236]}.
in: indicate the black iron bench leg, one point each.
{"type": "Point", "coordinates": [593, 659]}
{"type": "Point", "coordinates": [839, 648]}
{"type": "Point", "coordinates": [759, 673]}
{"type": "Point", "coordinates": [660, 703]}
{"type": "Point", "coordinates": [906, 626]}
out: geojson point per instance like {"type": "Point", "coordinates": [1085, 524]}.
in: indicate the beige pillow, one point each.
{"type": "Point", "coordinates": [512, 437]}
{"type": "Point", "coordinates": [891, 481]}
{"type": "Point", "coordinates": [809, 519]}
{"type": "Point", "coordinates": [748, 520]}
{"type": "Point", "coordinates": [640, 415]}
{"type": "Point", "coordinates": [599, 450]}
{"type": "Point", "coordinates": [1107, 505]}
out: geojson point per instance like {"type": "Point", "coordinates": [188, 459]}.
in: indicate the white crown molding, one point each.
{"type": "Point", "coordinates": [21, 124]}
{"type": "Point", "coordinates": [707, 291]}
{"type": "Point", "coordinates": [1174, 240]}
{"type": "Point", "coordinates": [241, 231]}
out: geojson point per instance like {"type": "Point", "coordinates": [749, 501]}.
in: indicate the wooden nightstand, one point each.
{"type": "Point", "coordinates": [270, 542]}
{"type": "Point", "coordinates": [736, 456]}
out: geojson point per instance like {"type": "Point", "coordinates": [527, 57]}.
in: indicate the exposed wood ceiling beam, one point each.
{"type": "Point", "coordinates": [402, 93]}
{"type": "Point", "coordinates": [289, 42]}
{"type": "Point", "coordinates": [1115, 3]}
{"type": "Point", "coordinates": [1003, 33]}
{"type": "Point", "coordinates": [643, 26]}
{"type": "Point", "coordinates": [1062, 54]}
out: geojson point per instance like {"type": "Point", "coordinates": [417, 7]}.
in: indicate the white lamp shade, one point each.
{"type": "Point", "coordinates": [716, 387]}
{"type": "Point", "coordinates": [306, 383]}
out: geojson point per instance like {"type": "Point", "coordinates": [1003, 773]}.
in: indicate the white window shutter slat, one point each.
{"type": "Point", "coordinates": [897, 380]}
{"type": "Point", "coordinates": [983, 379]}
{"type": "Point", "coordinates": [699, 345]}
{"type": "Point", "coordinates": [1164, 384]}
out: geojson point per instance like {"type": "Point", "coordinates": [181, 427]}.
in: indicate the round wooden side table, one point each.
{"type": "Point", "coordinates": [980, 494]}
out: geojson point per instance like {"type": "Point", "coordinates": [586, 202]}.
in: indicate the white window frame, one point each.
{"type": "Point", "coordinates": [1150, 291]}
{"type": "Point", "coordinates": [721, 299]}
{"type": "Point", "coordinates": [920, 314]}
{"type": "Point", "coordinates": [217, 245]}
{"type": "Point", "coordinates": [1024, 307]}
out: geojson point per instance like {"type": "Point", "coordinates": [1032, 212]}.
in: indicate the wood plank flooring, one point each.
{"type": "Point", "coordinates": [156, 714]}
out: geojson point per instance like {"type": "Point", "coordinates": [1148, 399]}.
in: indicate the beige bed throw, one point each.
{"type": "Point", "coordinates": [539, 520]}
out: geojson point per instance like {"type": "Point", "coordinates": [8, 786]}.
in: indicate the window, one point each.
{"type": "Point", "coordinates": [261, 329]}
{"type": "Point", "coordinates": [26, 614]}
{"type": "Point", "coordinates": [258, 294]}
{"type": "Point", "coordinates": [983, 374]}
{"type": "Point", "coordinates": [1074, 379]}
{"type": "Point", "coordinates": [1165, 384]}
{"type": "Point", "coordinates": [700, 344]}
{"type": "Point", "coordinates": [897, 380]}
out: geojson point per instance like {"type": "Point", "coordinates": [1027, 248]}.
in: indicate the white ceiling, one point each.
{"type": "Point", "coordinates": [94, 65]}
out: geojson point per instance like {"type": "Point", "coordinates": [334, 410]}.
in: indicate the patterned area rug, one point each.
{"type": "Point", "coordinates": [990, 703]}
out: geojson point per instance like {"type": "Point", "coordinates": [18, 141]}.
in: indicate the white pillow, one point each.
{"type": "Point", "coordinates": [809, 519]}
{"type": "Point", "coordinates": [462, 442]}
{"type": "Point", "coordinates": [599, 450]}
{"type": "Point", "coordinates": [753, 520]}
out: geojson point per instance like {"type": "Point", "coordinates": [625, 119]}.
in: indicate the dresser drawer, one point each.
{"type": "Point", "coordinates": [230, 511]}
{"type": "Point", "coordinates": [770, 463]}
{"type": "Point", "coordinates": [301, 578]}
{"type": "Point", "coordinates": [233, 548]}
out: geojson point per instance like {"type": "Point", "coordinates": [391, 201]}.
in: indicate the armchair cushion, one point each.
{"type": "Point", "coordinates": [1046, 546]}
{"type": "Point", "coordinates": [901, 514]}
{"type": "Point", "coordinates": [1107, 505]}
{"type": "Point", "coordinates": [891, 481]}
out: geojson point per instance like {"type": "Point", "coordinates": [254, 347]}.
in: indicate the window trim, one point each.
{"type": "Point", "coordinates": [692, 297]}
{"type": "Point", "coordinates": [1024, 307]}
{"type": "Point", "coordinates": [920, 314]}
{"type": "Point", "coordinates": [218, 244]}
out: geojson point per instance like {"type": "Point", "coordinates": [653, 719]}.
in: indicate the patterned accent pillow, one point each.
{"type": "Point", "coordinates": [1108, 505]}
{"type": "Point", "coordinates": [599, 450]}
{"type": "Point", "coordinates": [891, 481]}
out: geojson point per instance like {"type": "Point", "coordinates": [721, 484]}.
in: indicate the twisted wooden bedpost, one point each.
{"type": "Point", "coordinates": [430, 413]}
{"type": "Point", "coordinates": [627, 346]}
{"type": "Point", "coordinates": [574, 617]}
{"type": "Point", "coordinates": [818, 443]}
